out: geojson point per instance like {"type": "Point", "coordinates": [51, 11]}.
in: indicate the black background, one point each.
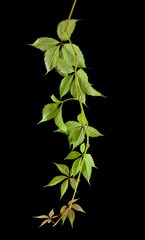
{"type": "Point", "coordinates": [33, 147]}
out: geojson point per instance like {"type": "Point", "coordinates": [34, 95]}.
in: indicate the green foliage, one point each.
{"type": "Point", "coordinates": [68, 60]}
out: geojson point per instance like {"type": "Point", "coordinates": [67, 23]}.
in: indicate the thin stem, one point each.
{"type": "Point", "coordinates": [70, 14]}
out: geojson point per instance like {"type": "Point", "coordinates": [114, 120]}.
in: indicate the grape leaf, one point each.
{"type": "Point", "coordinates": [56, 180]}
{"type": "Point", "coordinates": [59, 120]}
{"type": "Point", "coordinates": [63, 168]}
{"type": "Point", "coordinates": [76, 137]}
{"type": "Point", "coordinates": [81, 118]}
{"type": "Point", "coordinates": [50, 58]}
{"type": "Point", "coordinates": [87, 170]}
{"type": "Point", "coordinates": [64, 187]}
{"type": "Point", "coordinates": [49, 111]}
{"type": "Point", "coordinates": [70, 28]}
{"type": "Point", "coordinates": [44, 43]}
{"type": "Point", "coordinates": [74, 92]}
{"type": "Point", "coordinates": [68, 55]}
{"type": "Point", "coordinates": [65, 85]}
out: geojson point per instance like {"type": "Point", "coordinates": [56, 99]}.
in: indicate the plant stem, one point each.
{"type": "Point", "coordinates": [82, 109]}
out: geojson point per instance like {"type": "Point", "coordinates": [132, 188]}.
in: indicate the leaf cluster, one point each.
{"type": "Point", "coordinates": [68, 60]}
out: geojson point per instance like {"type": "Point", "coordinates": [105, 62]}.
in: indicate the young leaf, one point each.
{"type": "Point", "coordinates": [50, 58]}
{"type": "Point", "coordinates": [73, 155]}
{"type": "Point", "coordinates": [54, 99]}
{"type": "Point", "coordinates": [78, 208]}
{"type": "Point", "coordinates": [81, 118]}
{"type": "Point", "coordinates": [70, 28]}
{"type": "Point", "coordinates": [62, 212]}
{"type": "Point", "coordinates": [64, 67]}
{"type": "Point", "coordinates": [82, 147]}
{"type": "Point", "coordinates": [63, 168]}
{"type": "Point", "coordinates": [59, 120]}
{"type": "Point", "coordinates": [68, 55]}
{"type": "Point", "coordinates": [49, 111]}
{"type": "Point", "coordinates": [51, 213]}
{"type": "Point", "coordinates": [64, 187]}
{"type": "Point", "coordinates": [76, 166]}
{"type": "Point", "coordinates": [45, 221]}
{"type": "Point", "coordinates": [44, 43]}
{"type": "Point", "coordinates": [71, 216]}
{"type": "Point", "coordinates": [93, 132]}
{"type": "Point", "coordinates": [56, 180]}
{"type": "Point", "coordinates": [65, 85]}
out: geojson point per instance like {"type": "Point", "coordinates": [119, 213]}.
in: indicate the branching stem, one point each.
{"type": "Point", "coordinates": [82, 110]}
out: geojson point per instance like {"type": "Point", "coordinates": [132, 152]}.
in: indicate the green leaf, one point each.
{"type": "Point", "coordinates": [62, 211]}
{"type": "Point", "coordinates": [54, 99]}
{"type": "Point", "coordinates": [76, 166]}
{"type": "Point", "coordinates": [87, 170]}
{"type": "Point", "coordinates": [77, 207]}
{"type": "Point", "coordinates": [82, 147]}
{"type": "Point", "coordinates": [44, 43]}
{"type": "Point", "coordinates": [70, 28]}
{"type": "Point", "coordinates": [81, 118]}
{"type": "Point", "coordinates": [63, 168]}
{"type": "Point", "coordinates": [64, 67]}
{"type": "Point", "coordinates": [65, 85]}
{"type": "Point", "coordinates": [76, 137]}
{"type": "Point", "coordinates": [71, 125]}
{"type": "Point", "coordinates": [68, 55]}
{"type": "Point", "coordinates": [74, 92]}
{"type": "Point", "coordinates": [59, 120]}
{"type": "Point", "coordinates": [89, 160]}
{"type": "Point", "coordinates": [64, 187]}
{"type": "Point", "coordinates": [93, 132]}
{"type": "Point", "coordinates": [49, 111]}
{"type": "Point", "coordinates": [73, 155]}
{"type": "Point", "coordinates": [73, 183]}
{"type": "Point", "coordinates": [50, 58]}
{"type": "Point", "coordinates": [71, 216]}
{"type": "Point", "coordinates": [56, 180]}
{"type": "Point", "coordinates": [86, 86]}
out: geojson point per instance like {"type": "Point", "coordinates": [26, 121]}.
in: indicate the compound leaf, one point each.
{"type": "Point", "coordinates": [56, 180]}
{"type": "Point", "coordinates": [59, 120]}
{"type": "Point", "coordinates": [76, 166]}
{"type": "Point", "coordinates": [63, 168]}
{"type": "Point", "coordinates": [44, 43]}
{"type": "Point", "coordinates": [64, 67]}
{"type": "Point", "coordinates": [64, 187]}
{"type": "Point", "coordinates": [68, 55]}
{"type": "Point", "coordinates": [73, 183]}
{"type": "Point", "coordinates": [65, 85]}
{"type": "Point", "coordinates": [93, 132]}
{"type": "Point", "coordinates": [73, 155]}
{"type": "Point", "coordinates": [49, 111]}
{"type": "Point", "coordinates": [50, 58]}
{"type": "Point", "coordinates": [71, 216]}
{"type": "Point", "coordinates": [70, 28]}
{"type": "Point", "coordinates": [86, 86]}
{"type": "Point", "coordinates": [77, 207]}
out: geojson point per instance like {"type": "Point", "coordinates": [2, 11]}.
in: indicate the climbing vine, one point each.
{"type": "Point", "coordinates": [68, 60]}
